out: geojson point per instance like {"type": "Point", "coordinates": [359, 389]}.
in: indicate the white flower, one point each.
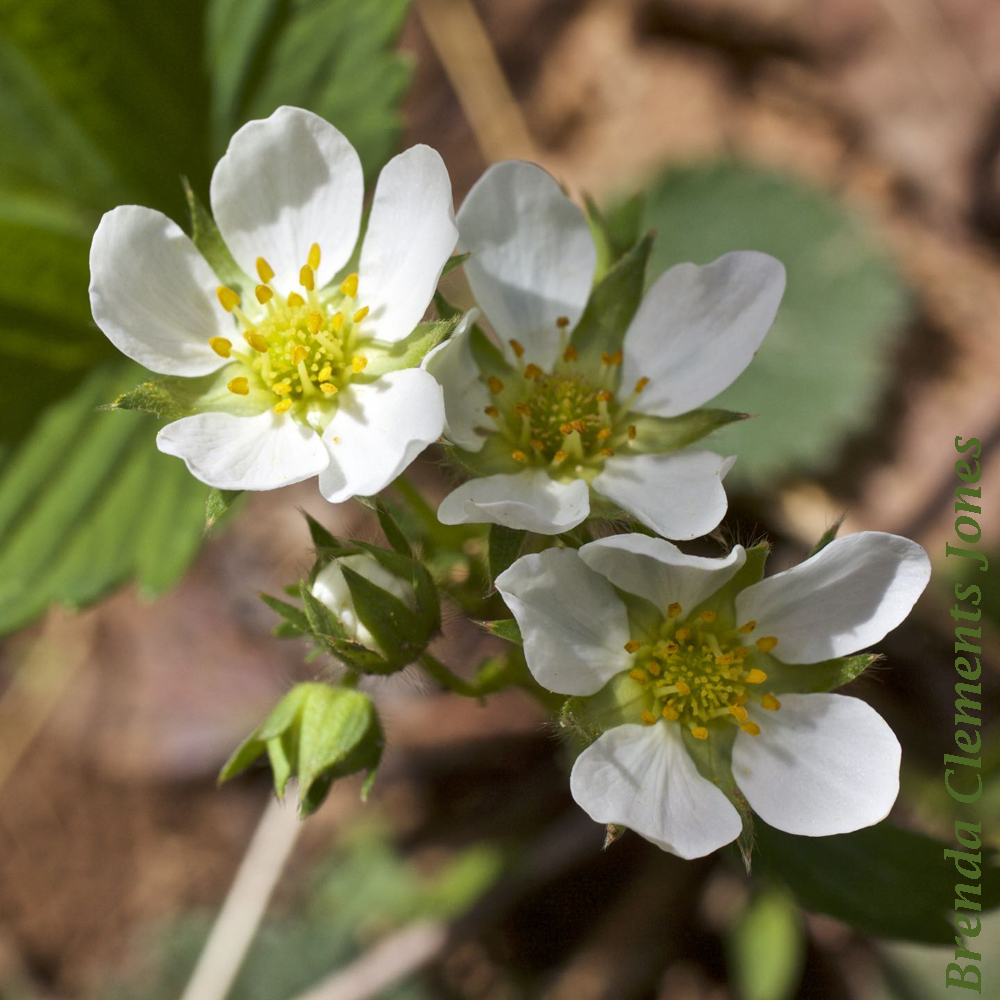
{"type": "Point", "coordinates": [308, 381]}
{"type": "Point", "coordinates": [551, 429]}
{"type": "Point", "coordinates": [331, 588]}
{"type": "Point", "coordinates": [684, 689]}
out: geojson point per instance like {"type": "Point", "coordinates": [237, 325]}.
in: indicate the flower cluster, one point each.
{"type": "Point", "coordinates": [702, 690]}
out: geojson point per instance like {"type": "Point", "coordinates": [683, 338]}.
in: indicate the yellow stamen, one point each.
{"type": "Point", "coordinates": [631, 432]}
{"type": "Point", "coordinates": [495, 384]}
{"type": "Point", "coordinates": [523, 409]}
{"type": "Point", "coordinates": [313, 322]}
{"type": "Point", "coordinates": [670, 713]}
{"type": "Point", "coordinates": [255, 340]}
{"type": "Point", "coordinates": [605, 396]}
{"type": "Point", "coordinates": [283, 406]}
{"type": "Point", "coordinates": [239, 385]}
{"type": "Point", "coordinates": [565, 429]}
{"type": "Point", "coordinates": [349, 286]}
{"type": "Point", "coordinates": [766, 643]}
{"type": "Point", "coordinates": [518, 455]}
{"type": "Point", "coordinates": [683, 688]}
{"type": "Point", "coordinates": [536, 444]}
{"type": "Point", "coordinates": [263, 294]}
{"type": "Point", "coordinates": [559, 457]}
{"type": "Point", "coordinates": [638, 675]}
{"type": "Point", "coordinates": [738, 712]}
{"type": "Point", "coordinates": [314, 255]}
{"type": "Point", "coordinates": [641, 384]}
{"type": "Point", "coordinates": [648, 718]}
{"type": "Point", "coordinates": [604, 433]}
{"type": "Point", "coordinates": [751, 727]}
{"type": "Point", "coordinates": [570, 354]}
{"type": "Point", "coordinates": [724, 660]}
{"type": "Point", "coordinates": [306, 277]}
{"type": "Point", "coordinates": [491, 411]}
{"type": "Point", "coordinates": [632, 645]}
{"type": "Point", "coordinates": [654, 668]}
{"type": "Point", "coordinates": [683, 634]}
{"type": "Point", "coordinates": [532, 372]}
{"type": "Point", "coordinates": [748, 627]}
{"type": "Point", "coordinates": [670, 647]}
{"type": "Point", "coordinates": [337, 321]}
{"type": "Point", "coordinates": [299, 353]}
{"type": "Point", "coordinates": [614, 358]}
{"type": "Point", "coordinates": [707, 616]}
{"type": "Point", "coordinates": [328, 387]}
{"type": "Point", "coordinates": [221, 346]}
{"type": "Point", "coordinates": [517, 347]}
{"type": "Point", "coordinates": [264, 270]}
{"type": "Point", "coordinates": [770, 703]}
{"type": "Point", "coordinates": [358, 363]}
{"type": "Point", "coordinates": [606, 452]}
{"type": "Point", "coordinates": [281, 388]}
{"type": "Point", "coordinates": [324, 373]}
{"type": "Point", "coordinates": [295, 300]}
{"type": "Point", "coordinates": [755, 676]}
{"type": "Point", "coordinates": [360, 314]}
{"type": "Point", "coordinates": [673, 610]}
{"type": "Point", "coordinates": [562, 322]}
{"type": "Point", "coordinates": [699, 732]}
{"type": "Point", "coordinates": [228, 299]}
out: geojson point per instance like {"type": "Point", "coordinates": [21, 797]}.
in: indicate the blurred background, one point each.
{"type": "Point", "coordinates": [857, 140]}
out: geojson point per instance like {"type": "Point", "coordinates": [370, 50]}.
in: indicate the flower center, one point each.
{"type": "Point", "coordinates": [302, 347]}
{"type": "Point", "coordinates": [561, 420]}
{"type": "Point", "coordinates": [700, 674]}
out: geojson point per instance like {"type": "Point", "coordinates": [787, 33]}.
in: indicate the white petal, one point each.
{"type": "Point", "coordinates": [529, 500]}
{"type": "Point", "coordinates": [679, 495]}
{"type": "Point", "coordinates": [331, 588]}
{"type": "Point", "coordinates": [846, 597]}
{"type": "Point", "coordinates": [822, 764]}
{"type": "Point", "coordinates": [153, 294]}
{"type": "Point", "coordinates": [533, 257]}
{"type": "Point", "coordinates": [228, 452]}
{"type": "Point", "coordinates": [698, 328]}
{"type": "Point", "coordinates": [659, 571]}
{"type": "Point", "coordinates": [378, 430]}
{"type": "Point", "coordinates": [284, 183]}
{"type": "Point", "coordinates": [466, 395]}
{"type": "Point", "coordinates": [574, 626]}
{"type": "Point", "coordinates": [411, 234]}
{"type": "Point", "coordinates": [643, 778]}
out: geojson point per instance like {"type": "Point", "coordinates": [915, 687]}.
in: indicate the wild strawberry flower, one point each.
{"type": "Point", "coordinates": [552, 430]}
{"type": "Point", "coordinates": [301, 375]}
{"type": "Point", "coordinates": [700, 666]}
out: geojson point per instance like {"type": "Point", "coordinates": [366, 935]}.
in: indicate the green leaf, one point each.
{"type": "Point", "coordinates": [767, 948]}
{"type": "Point", "coordinates": [843, 305]}
{"type": "Point", "coordinates": [218, 504]}
{"type": "Point", "coordinates": [611, 307]}
{"type": "Point", "coordinates": [504, 547]}
{"type": "Point", "coordinates": [883, 881]}
{"type": "Point", "coordinates": [659, 434]}
{"type": "Point", "coordinates": [505, 628]}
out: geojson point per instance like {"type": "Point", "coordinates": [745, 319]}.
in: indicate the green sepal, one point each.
{"type": "Point", "coordinates": [242, 757]}
{"type": "Point", "coordinates": [406, 353]}
{"type": "Point", "coordinates": [292, 614]}
{"type": "Point", "coordinates": [173, 397]}
{"type": "Point", "coordinates": [321, 538]}
{"type": "Point", "coordinates": [809, 678]}
{"type": "Point", "coordinates": [619, 702]}
{"type": "Point", "coordinates": [829, 535]}
{"type": "Point", "coordinates": [389, 525]}
{"type": "Point", "coordinates": [323, 623]}
{"type": "Point", "coordinates": [615, 230]}
{"type": "Point", "coordinates": [492, 459]}
{"type": "Point", "coordinates": [358, 657]}
{"type": "Point", "coordinates": [504, 547]}
{"type": "Point", "coordinates": [723, 601]}
{"type": "Point", "coordinates": [424, 587]}
{"type": "Point", "coordinates": [504, 628]}
{"type": "Point", "coordinates": [610, 309]}
{"type": "Point", "coordinates": [218, 504]}
{"type": "Point", "coordinates": [445, 308]}
{"type": "Point", "coordinates": [489, 358]}
{"type": "Point", "coordinates": [206, 237]}
{"type": "Point", "coordinates": [655, 435]}
{"type": "Point", "coordinates": [454, 261]}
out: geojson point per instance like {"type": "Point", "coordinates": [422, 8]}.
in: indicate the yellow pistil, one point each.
{"type": "Point", "coordinates": [673, 610]}
{"type": "Point", "coordinates": [314, 256]}
{"type": "Point", "coordinates": [239, 385]}
{"type": "Point", "coordinates": [263, 294]}
{"type": "Point", "coordinates": [349, 286]}
{"type": "Point", "coordinates": [649, 719]}
{"type": "Point", "coordinates": [766, 643]}
{"type": "Point", "coordinates": [360, 314]}
{"type": "Point", "coordinates": [358, 363]}
{"type": "Point", "coordinates": [751, 728]}
{"type": "Point", "coordinates": [255, 340]}
{"type": "Point", "coordinates": [264, 270]}
{"type": "Point", "coordinates": [228, 299]}
{"type": "Point", "coordinates": [283, 406]}
{"type": "Point", "coordinates": [517, 347]}
{"type": "Point", "coordinates": [632, 646]}
{"type": "Point", "coordinates": [328, 387]}
{"type": "Point", "coordinates": [755, 676]}
{"type": "Point", "coordinates": [221, 346]}
{"type": "Point", "coordinates": [770, 703]}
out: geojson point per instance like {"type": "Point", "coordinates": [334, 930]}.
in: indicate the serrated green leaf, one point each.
{"type": "Point", "coordinates": [767, 948]}
{"type": "Point", "coordinates": [610, 309]}
{"type": "Point", "coordinates": [505, 628]}
{"type": "Point", "coordinates": [883, 881]}
{"type": "Point", "coordinates": [504, 547]}
{"type": "Point", "coordinates": [659, 434]}
{"type": "Point", "coordinates": [843, 304]}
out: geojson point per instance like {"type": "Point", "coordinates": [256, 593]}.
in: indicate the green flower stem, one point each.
{"type": "Point", "coordinates": [515, 678]}
{"type": "Point", "coordinates": [434, 668]}
{"type": "Point", "coordinates": [420, 507]}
